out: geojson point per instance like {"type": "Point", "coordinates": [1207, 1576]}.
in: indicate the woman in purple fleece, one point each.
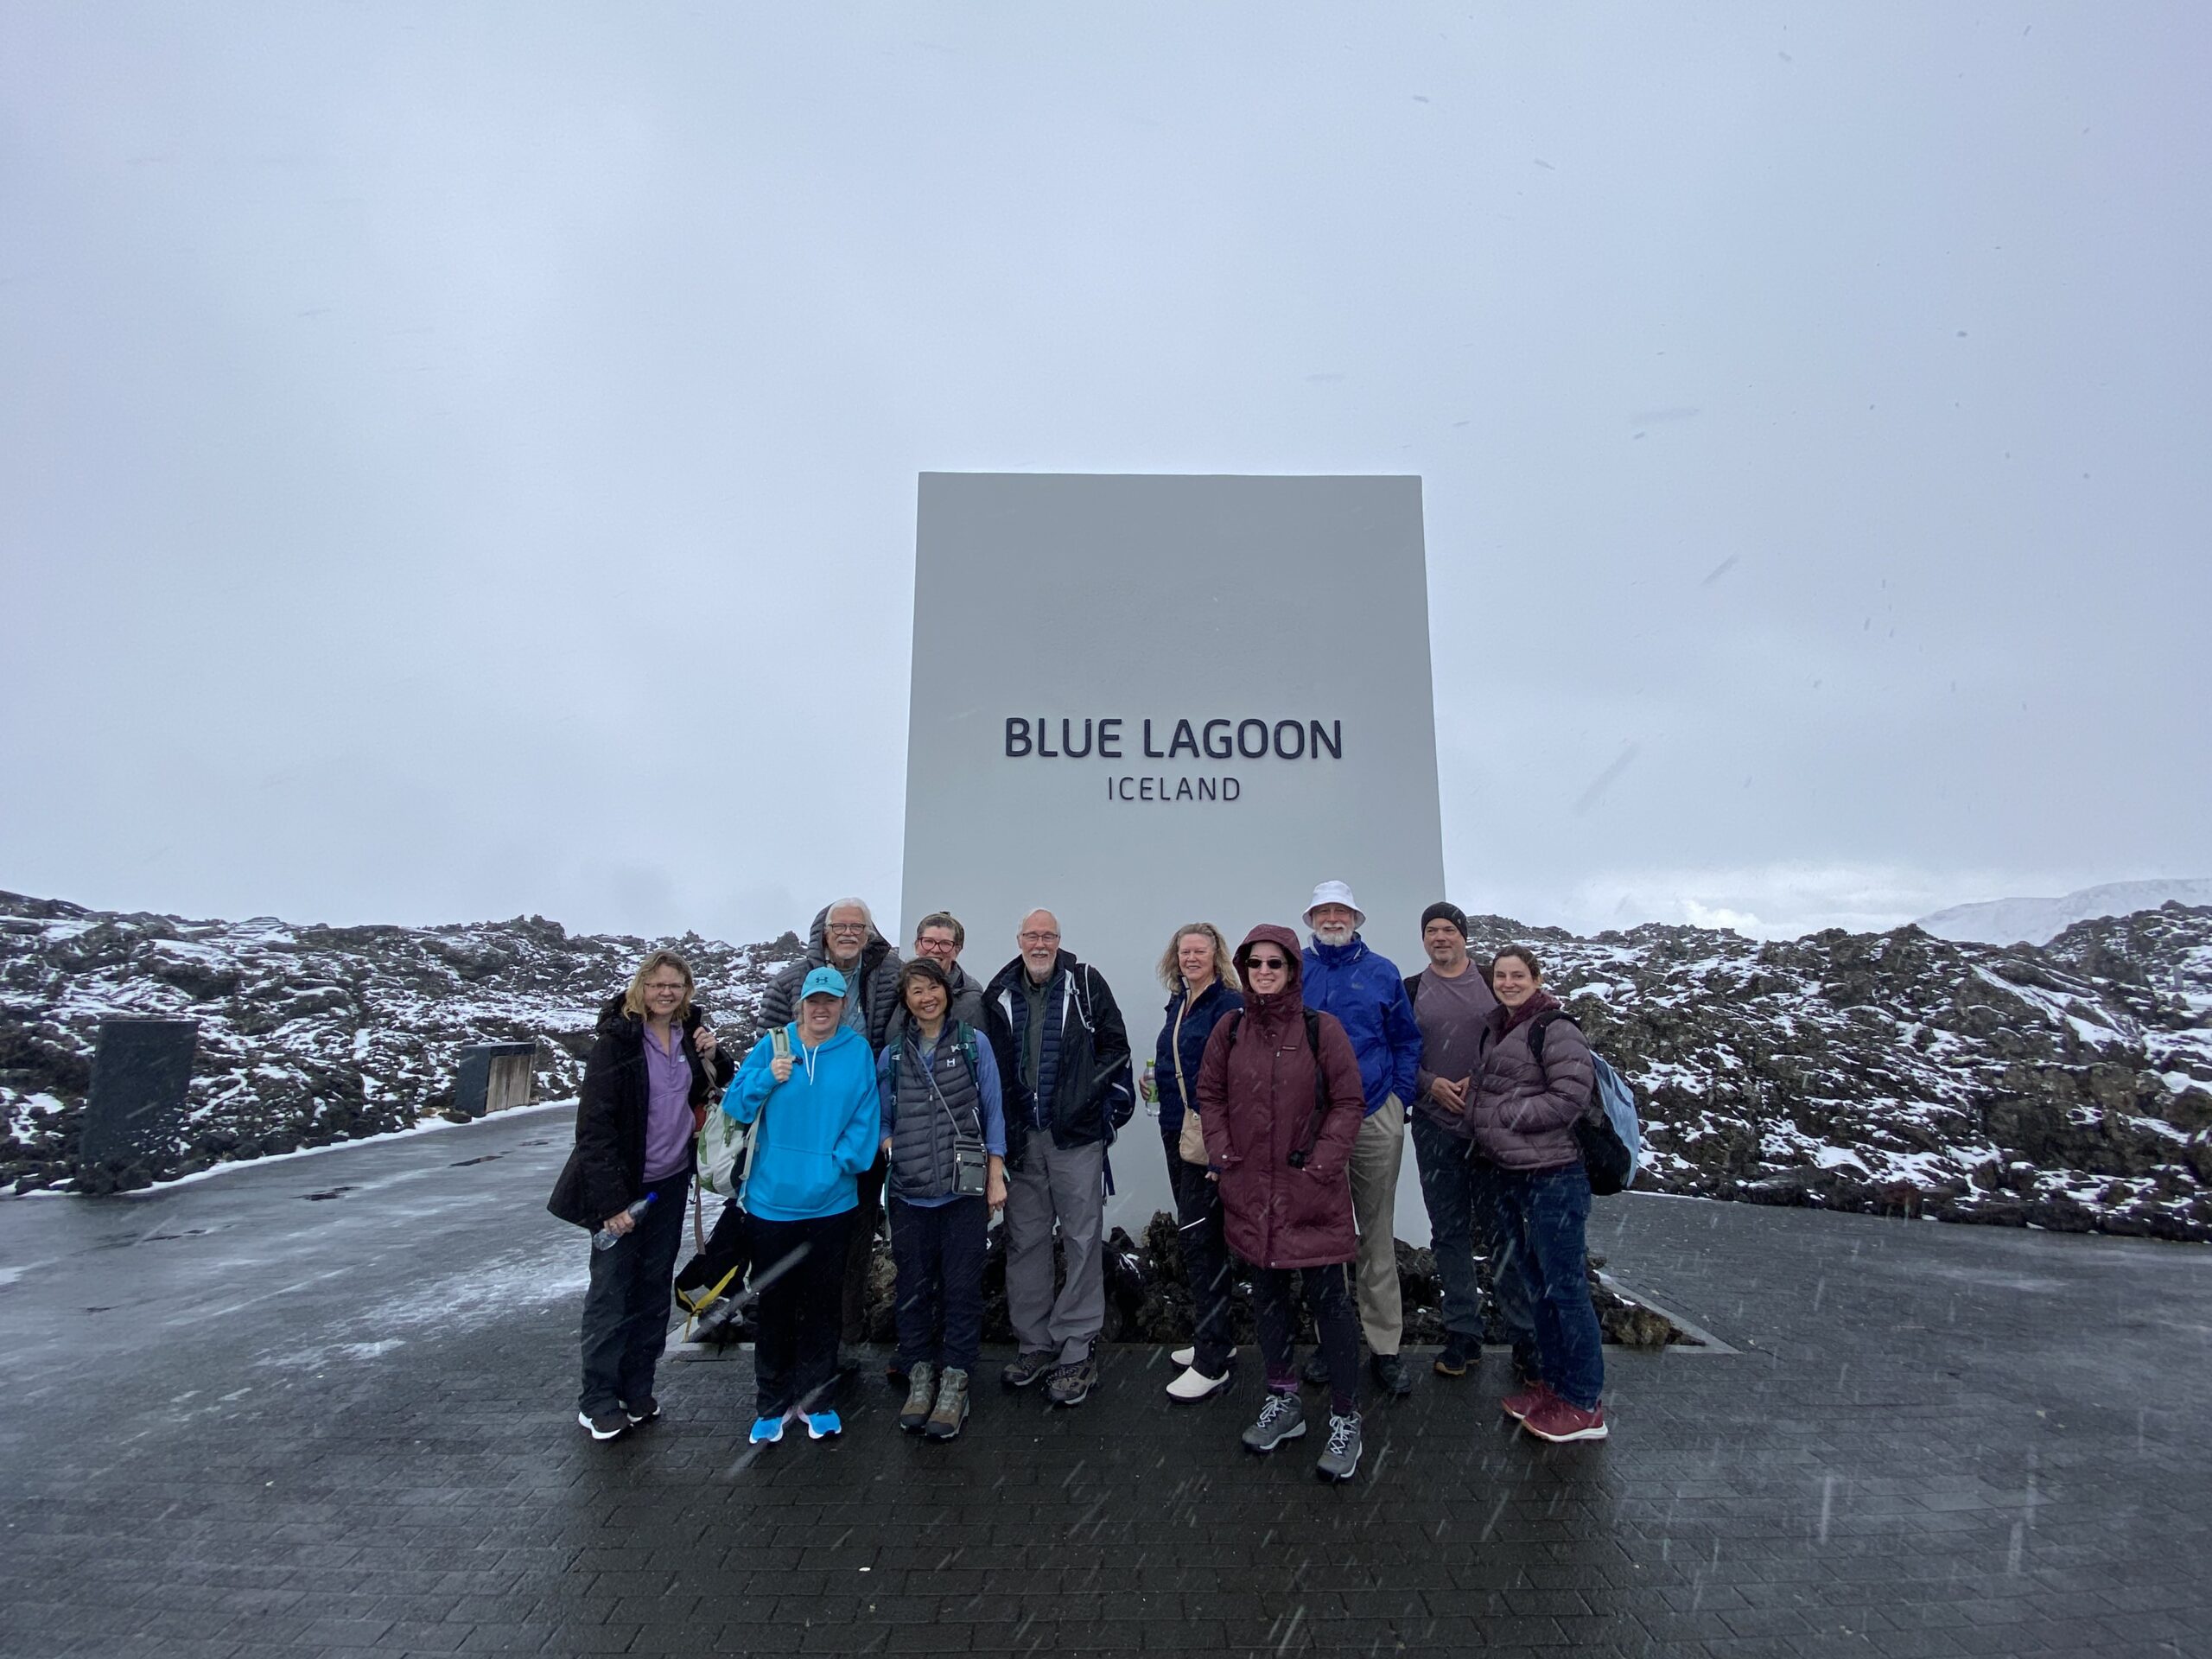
{"type": "Point", "coordinates": [651, 1071]}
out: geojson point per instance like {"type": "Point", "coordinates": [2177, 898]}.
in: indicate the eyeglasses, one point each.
{"type": "Point", "coordinates": [1266, 964]}
{"type": "Point", "coordinates": [846, 927]}
{"type": "Point", "coordinates": [1040, 938]}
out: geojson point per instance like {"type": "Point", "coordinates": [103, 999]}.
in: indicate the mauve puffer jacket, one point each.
{"type": "Point", "coordinates": [1523, 1114]}
{"type": "Point", "coordinates": [1256, 1100]}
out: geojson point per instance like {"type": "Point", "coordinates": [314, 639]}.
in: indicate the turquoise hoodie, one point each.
{"type": "Point", "coordinates": [818, 1132]}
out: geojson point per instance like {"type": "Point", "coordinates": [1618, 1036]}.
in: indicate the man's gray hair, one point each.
{"type": "Point", "coordinates": [1039, 909]}
{"type": "Point", "coordinates": [861, 904]}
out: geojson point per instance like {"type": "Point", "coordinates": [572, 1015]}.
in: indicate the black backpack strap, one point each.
{"type": "Point", "coordinates": [1312, 1136]}
{"type": "Point", "coordinates": [1541, 1023]}
{"type": "Point", "coordinates": [1412, 988]}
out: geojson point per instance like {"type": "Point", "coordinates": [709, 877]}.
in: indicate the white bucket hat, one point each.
{"type": "Point", "coordinates": [1336, 893]}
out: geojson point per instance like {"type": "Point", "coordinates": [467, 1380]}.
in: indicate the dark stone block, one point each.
{"type": "Point", "coordinates": [141, 1070]}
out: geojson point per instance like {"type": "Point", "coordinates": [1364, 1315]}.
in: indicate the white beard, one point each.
{"type": "Point", "coordinates": [1335, 935]}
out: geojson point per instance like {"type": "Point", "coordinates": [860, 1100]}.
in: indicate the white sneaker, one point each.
{"type": "Point", "coordinates": [1195, 1385]}
{"type": "Point", "coordinates": [1190, 1355]}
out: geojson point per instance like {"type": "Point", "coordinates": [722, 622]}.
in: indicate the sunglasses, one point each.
{"type": "Point", "coordinates": [1266, 964]}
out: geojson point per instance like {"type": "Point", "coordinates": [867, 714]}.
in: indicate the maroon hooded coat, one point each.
{"type": "Point", "coordinates": [1256, 1100]}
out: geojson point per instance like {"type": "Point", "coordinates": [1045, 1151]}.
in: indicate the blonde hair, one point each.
{"type": "Point", "coordinates": [1171, 970]}
{"type": "Point", "coordinates": [634, 1000]}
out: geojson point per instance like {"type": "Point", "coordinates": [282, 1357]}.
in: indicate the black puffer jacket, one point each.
{"type": "Point", "coordinates": [606, 1174]}
{"type": "Point", "coordinates": [1091, 1093]}
{"type": "Point", "coordinates": [878, 973]}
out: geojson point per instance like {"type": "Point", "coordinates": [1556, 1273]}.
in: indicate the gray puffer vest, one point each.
{"type": "Point", "coordinates": [929, 1101]}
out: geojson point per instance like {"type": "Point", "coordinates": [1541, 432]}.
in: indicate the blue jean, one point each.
{"type": "Point", "coordinates": [1509, 1296]}
{"type": "Point", "coordinates": [938, 1249]}
{"type": "Point", "coordinates": [1548, 1213]}
{"type": "Point", "coordinates": [627, 1307]}
{"type": "Point", "coordinates": [1462, 1197]}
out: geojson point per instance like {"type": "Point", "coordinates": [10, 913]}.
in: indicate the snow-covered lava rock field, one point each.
{"type": "Point", "coordinates": [2068, 1085]}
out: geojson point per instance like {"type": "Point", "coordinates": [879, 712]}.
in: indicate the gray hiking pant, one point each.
{"type": "Point", "coordinates": [1066, 1185]}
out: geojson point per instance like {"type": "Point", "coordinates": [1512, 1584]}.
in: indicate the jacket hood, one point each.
{"type": "Point", "coordinates": [817, 942]}
{"type": "Point", "coordinates": [1290, 996]}
{"type": "Point", "coordinates": [841, 1034]}
{"type": "Point", "coordinates": [1339, 956]}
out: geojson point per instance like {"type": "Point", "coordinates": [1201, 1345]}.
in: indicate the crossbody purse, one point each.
{"type": "Point", "coordinates": [1190, 1142]}
{"type": "Point", "coordinates": [971, 1169]}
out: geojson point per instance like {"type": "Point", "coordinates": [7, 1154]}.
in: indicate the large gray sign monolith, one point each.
{"type": "Point", "coordinates": [1146, 701]}
{"type": "Point", "coordinates": [142, 1070]}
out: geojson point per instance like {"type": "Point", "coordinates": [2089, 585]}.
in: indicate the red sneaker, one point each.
{"type": "Point", "coordinates": [1555, 1420]}
{"type": "Point", "coordinates": [1519, 1407]}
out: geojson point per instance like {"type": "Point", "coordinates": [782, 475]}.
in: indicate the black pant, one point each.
{"type": "Point", "coordinates": [1206, 1259]}
{"type": "Point", "coordinates": [1328, 1298]}
{"type": "Point", "coordinates": [626, 1308]}
{"type": "Point", "coordinates": [797, 1267]}
{"type": "Point", "coordinates": [859, 1249]}
{"type": "Point", "coordinates": [939, 1250]}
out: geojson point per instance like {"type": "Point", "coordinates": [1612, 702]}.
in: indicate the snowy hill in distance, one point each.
{"type": "Point", "coordinates": [2067, 1085]}
{"type": "Point", "coordinates": [2039, 921]}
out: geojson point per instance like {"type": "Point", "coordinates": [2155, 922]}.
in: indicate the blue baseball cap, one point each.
{"type": "Point", "coordinates": [824, 981]}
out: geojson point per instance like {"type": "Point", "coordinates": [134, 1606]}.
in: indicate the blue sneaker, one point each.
{"type": "Point", "coordinates": [766, 1431]}
{"type": "Point", "coordinates": [822, 1425]}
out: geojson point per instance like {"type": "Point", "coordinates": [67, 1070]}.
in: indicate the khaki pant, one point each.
{"type": "Point", "coordinates": [1376, 1156]}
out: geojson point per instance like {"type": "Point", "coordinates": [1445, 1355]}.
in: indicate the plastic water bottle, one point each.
{"type": "Point", "coordinates": [607, 1238]}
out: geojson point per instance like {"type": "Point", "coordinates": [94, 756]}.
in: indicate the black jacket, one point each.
{"type": "Point", "coordinates": [606, 1174]}
{"type": "Point", "coordinates": [1214, 1002]}
{"type": "Point", "coordinates": [1092, 1092]}
{"type": "Point", "coordinates": [879, 981]}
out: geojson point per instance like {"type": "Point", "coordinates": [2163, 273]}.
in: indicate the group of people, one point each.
{"type": "Point", "coordinates": [1287, 1081]}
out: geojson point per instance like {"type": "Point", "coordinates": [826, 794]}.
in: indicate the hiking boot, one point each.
{"type": "Point", "coordinates": [1316, 1373]}
{"type": "Point", "coordinates": [604, 1424]}
{"type": "Point", "coordinates": [1028, 1366]}
{"type": "Point", "coordinates": [1460, 1352]}
{"type": "Point", "coordinates": [643, 1411]}
{"type": "Point", "coordinates": [1282, 1417]}
{"type": "Point", "coordinates": [1071, 1385]}
{"type": "Point", "coordinates": [1555, 1420]}
{"type": "Point", "coordinates": [823, 1425]}
{"type": "Point", "coordinates": [921, 1395]}
{"type": "Point", "coordinates": [1390, 1375]}
{"type": "Point", "coordinates": [1530, 1399]}
{"type": "Point", "coordinates": [951, 1413]}
{"type": "Point", "coordinates": [1340, 1460]}
{"type": "Point", "coordinates": [766, 1431]}
{"type": "Point", "coordinates": [1194, 1385]}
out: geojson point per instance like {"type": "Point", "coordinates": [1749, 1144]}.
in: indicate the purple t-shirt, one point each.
{"type": "Point", "coordinates": [667, 1108]}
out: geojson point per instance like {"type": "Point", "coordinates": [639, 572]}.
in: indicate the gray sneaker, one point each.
{"type": "Point", "coordinates": [1072, 1384]}
{"type": "Point", "coordinates": [1282, 1418]}
{"type": "Point", "coordinates": [952, 1411]}
{"type": "Point", "coordinates": [1340, 1460]}
{"type": "Point", "coordinates": [921, 1396]}
{"type": "Point", "coordinates": [1028, 1366]}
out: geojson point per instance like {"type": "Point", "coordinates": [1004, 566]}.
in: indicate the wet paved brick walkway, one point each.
{"type": "Point", "coordinates": [244, 1421]}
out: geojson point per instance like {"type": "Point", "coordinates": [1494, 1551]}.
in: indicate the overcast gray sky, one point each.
{"type": "Point", "coordinates": [461, 460]}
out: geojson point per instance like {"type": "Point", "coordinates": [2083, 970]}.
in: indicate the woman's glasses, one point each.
{"type": "Point", "coordinates": [1266, 964]}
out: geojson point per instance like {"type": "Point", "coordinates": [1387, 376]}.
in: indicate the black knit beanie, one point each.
{"type": "Point", "coordinates": [1450, 912]}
